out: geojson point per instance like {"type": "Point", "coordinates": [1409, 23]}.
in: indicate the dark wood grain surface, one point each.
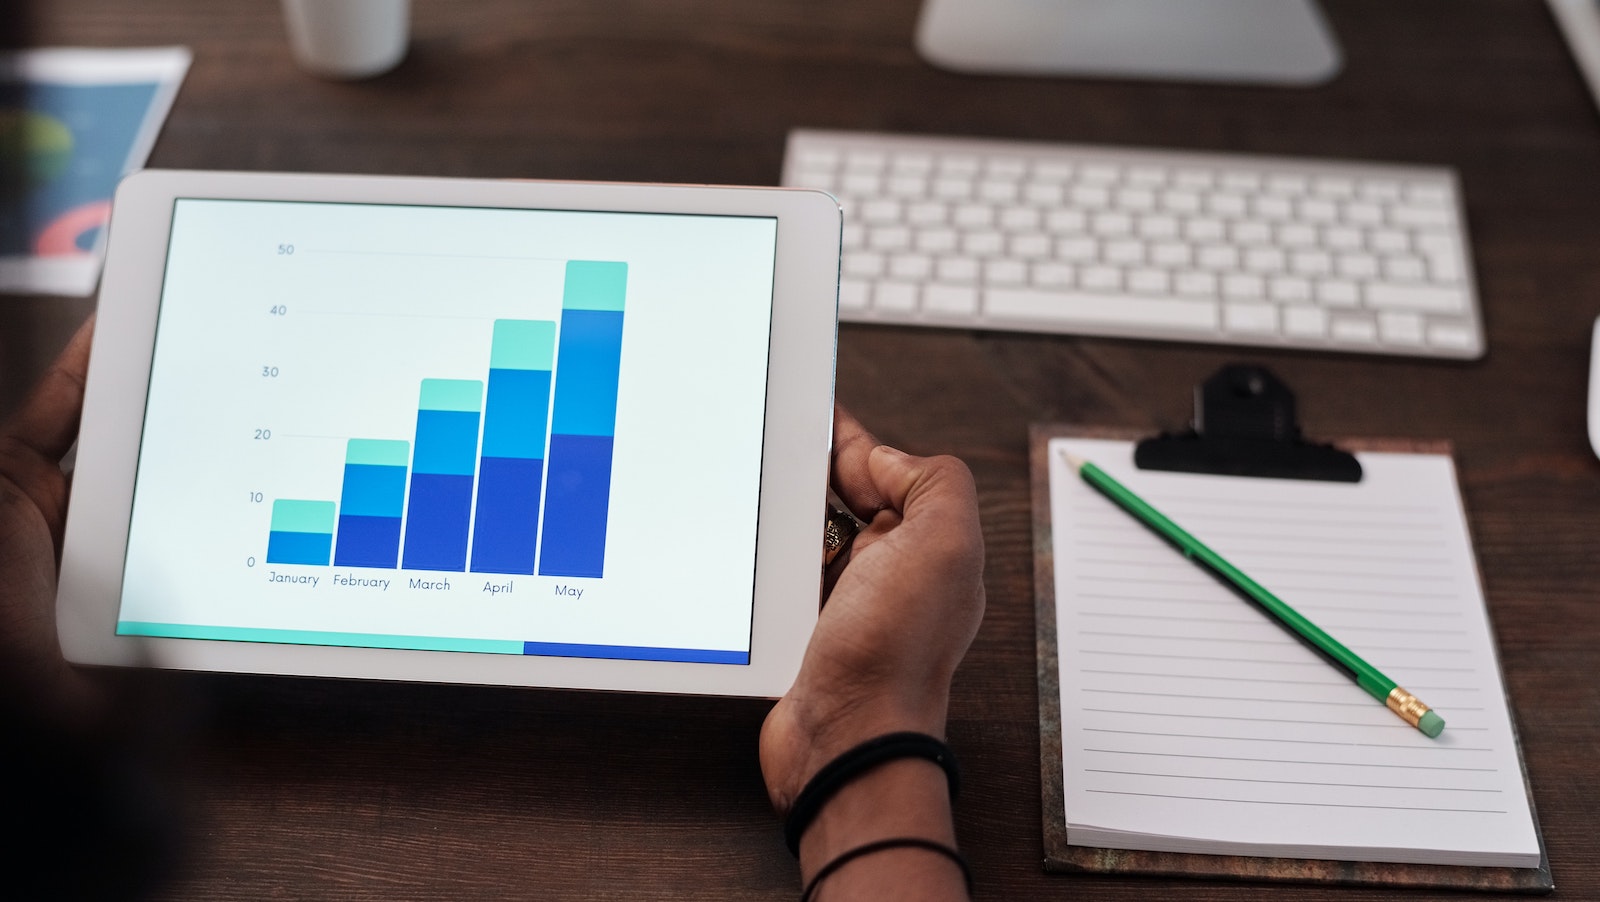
{"type": "Point", "coordinates": [317, 789]}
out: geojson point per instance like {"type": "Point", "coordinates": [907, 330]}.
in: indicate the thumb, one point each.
{"type": "Point", "coordinates": [895, 474]}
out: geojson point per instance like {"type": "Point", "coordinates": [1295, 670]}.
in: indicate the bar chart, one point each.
{"type": "Point", "coordinates": [510, 474]}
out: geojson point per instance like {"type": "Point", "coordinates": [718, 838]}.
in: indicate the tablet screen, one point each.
{"type": "Point", "coordinates": [525, 432]}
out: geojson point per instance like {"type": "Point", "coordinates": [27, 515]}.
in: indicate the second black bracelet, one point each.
{"type": "Point", "coordinates": [853, 763]}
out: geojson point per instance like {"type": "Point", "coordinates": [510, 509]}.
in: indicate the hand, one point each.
{"type": "Point", "coordinates": [897, 621]}
{"type": "Point", "coordinates": [33, 513]}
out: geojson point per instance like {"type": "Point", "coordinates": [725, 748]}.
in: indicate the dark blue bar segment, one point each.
{"type": "Point", "coordinates": [576, 505]}
{"type": "Point", "coordinates": [635, 653]}
{"type": "Point", "coordinates": [507, 528]}
{"type": "Point", "coordinates": [368, 541]}
{"type": "Point", "coordinates": [437, 521]}
{"type": "Point", "coordinates": [298, 547]}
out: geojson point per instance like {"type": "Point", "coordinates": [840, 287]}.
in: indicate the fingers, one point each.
{"type": "Point", "coordinates": [47, 422]}
{"type": "Point", "coordinates": [852, 480]}
{"type": "Point", "coordinates": [935, 495]}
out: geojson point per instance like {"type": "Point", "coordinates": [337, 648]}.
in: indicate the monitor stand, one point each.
{"type": "Point", "coordinates": [1274, 42]}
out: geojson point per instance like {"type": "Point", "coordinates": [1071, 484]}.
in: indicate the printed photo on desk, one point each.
{"type": "Point", "coordinates": [1193, 735]}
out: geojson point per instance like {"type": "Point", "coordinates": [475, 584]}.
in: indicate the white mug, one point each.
{"type": "Point", "coordinates": [347, 38]}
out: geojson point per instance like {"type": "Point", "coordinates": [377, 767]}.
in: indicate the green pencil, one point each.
{"type": "Point", "coordinates": [1380, 687]}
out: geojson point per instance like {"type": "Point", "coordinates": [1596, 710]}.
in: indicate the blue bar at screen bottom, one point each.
{"type": "Point", "coordinates": [367, 541]}
{"type": "Point", "coordinates": [430, 643]}
{"type": "Point", "coordinates": [576, 504]}
{"type": "Point", "coordinates": [440, 513]}
{"type": "Point", "coordinates": [298, 547]}
{"type": "Point", "coordinates": [508, 515]}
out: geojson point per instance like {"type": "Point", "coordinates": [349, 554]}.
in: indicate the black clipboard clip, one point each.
{"type": "Point", "coordinates": [1244, 425]}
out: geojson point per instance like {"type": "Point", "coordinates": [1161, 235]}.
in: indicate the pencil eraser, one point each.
{"type": "Point", "coordinates": [1431, 725]}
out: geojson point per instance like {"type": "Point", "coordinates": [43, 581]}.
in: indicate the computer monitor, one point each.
{"type": "Point", "coordinates": [1278, 42]}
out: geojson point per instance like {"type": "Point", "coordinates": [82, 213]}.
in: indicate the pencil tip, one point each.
{"type": "Point", "coordinates": [1073, 460]}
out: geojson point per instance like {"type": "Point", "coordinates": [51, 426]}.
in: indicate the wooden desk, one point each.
{"type": "Point", "coordinates": [310, 789]}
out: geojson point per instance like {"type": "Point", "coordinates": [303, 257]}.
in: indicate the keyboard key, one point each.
{"type": "Point", "coordinates": [1178, 201]}
{"type": "Point", "coordinates": [1389, 241]}
{"type": "Point", "coordinates": [1124, 251]}
{"type": "Point", "coordinates": [956, 269]}
{"type": "Point", "coordinates": [1052, 275]}
{"type": "Point", "coordinates": [907, 186]}
{"type": "Point", "coordinates": [1363, 213]}
{"type": "Point", "coordinates": [1307, 322]}
{"type": "Point", "coordinates": [1271, 208]}
{"type": "Point", "coordinates": [1111, 224]}
{"type": "Point", "coordinates": [1356, 266]}
{"type": "Point", "coordinates": [1159, 226]}
{"type": "Point", "coordinates": [1250, 317]}
{"type": "Point", "coordinates": [1149, 281]}
{"type": "Point", "coordinates": [1005, 272]}
{"type": "Point", "coordinates": [1337, 293]}
{"type": "Point", "coordinates": [982, 244]}
{"type": "Point", "coordinates": [927, 213]}
{"type": "Point", "coordinates": [1100, 278]}
{"type": "Point", "coordinates": [1032, 246]}
{"type": "Point", "coordinates": [889, 238]}
{"type": "Point", "coordinates": [1019, 219]}
{"type": "Point", "coordinates": [1251, 232]}
{"type": "Point", "coordinates": [1400, 328]}
{"type": "Point", "coordinates": [1405, 269]}
{"type": "Point", "coordinates": [1358, 329]}
{"type": "Point", "coordinates": [1065, 222]}
{"type": "Point", "coordinates": [1043, 194]}
{"type": "Point", "coordinates": [1264, 260]}
{"type": "Point", "coordinates": [1230, 205]}
{"type": "Point", "coordinates": [951, 188]}
{"type": "Point", "coordinates": [853, 237]}
{"type": "Point", "coordinates": [1196, 284]}
{"type": "Point", "coordinates": [997, 192]}
{"type": "Point", "coordinates": [1099, 173]}
{"type": "Point", "coordinates": [1067, 307]}
{"type": "Point", "coordinates": [818, 158]}
{"type": "Point", "coordinates": [974, 216]}
{"type": "Point", "coordinates": [911, 164]}
{"type": "Point", "coordinates": [1205, 229]}
{"type": "Point", "coordinates": [895, 297]}
{"type": "Point", "coordinates": [1289, 289]}
{"type": "Point", "coordinates": [951, 300]}
{"type": "Point", "coordinates": [862, 183]}
{"type": "Point", "coordinates": [1008, 169]}
{"type": "Point", "coordinates": [1342, 238]}
{"type": "Point", "coordinates": [1078, 250]}
{"type": "Point", "coordinates": [865, 160]}
{"type": "Point", "coordinates": [854, 294]}
{"type": "Point", "coordinates": [1422, 217]}
{"type": "Point", "coordinates": [1297, 234]}
{"type": "Point", "coordinates": [1319, 210]}
{"type": "Point", "coordinates": [1194, 179]}
{"type": "Point", "coordinates": [863, 264]}
{"type": "Point", "coordinates": [1135, 200]}
{"type": "Point", "coordinates": [1179, 253]}
{"type": "Point", "coordinates": [1450, 335]}
{"type": "Point", "coordinates": [1423, 298]}
{"type": "Point", "coordinates": [1090, 197]}
{"type": "Point", "coordinates": [1311, 263]}
{"type": "Point", "coordinates": [936, 241]}
{"type": "Point", "coordinates": [1053, 171]}
{"type": "Point", "coordinates": [1238, 286]}
{"type": "Point", "coordinates": [1443, 254]}
{"type": "Point", "coordinates": [911, 267]}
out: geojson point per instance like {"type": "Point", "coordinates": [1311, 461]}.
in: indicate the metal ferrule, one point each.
{"type": "Point", "coordinates": [1406, 705]}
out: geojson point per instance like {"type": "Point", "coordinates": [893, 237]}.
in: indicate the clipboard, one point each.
{"type": "Point", "coordinates": [1261, 416]}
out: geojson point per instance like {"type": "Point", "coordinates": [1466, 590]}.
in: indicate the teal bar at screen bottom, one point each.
{"type": "Point", "coordinates": [430, 643]}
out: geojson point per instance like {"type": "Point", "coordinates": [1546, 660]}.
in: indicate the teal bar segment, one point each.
{"type": "Point", "coordinates": [595, 285]}
{"type": "Point", "coordinates": [302, 516]}
{"type": "Point", "coordinates": [523, 344]}
{"type": "Point", "coordinates": [378, 452]}
{"type": "Point", "coordinates": [314, 637]}
{"type": "Point", "coordinates": [459, 395]}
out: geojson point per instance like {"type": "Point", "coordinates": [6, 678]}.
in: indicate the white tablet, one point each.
{"type": "Point", "coordinates": [518, 433]}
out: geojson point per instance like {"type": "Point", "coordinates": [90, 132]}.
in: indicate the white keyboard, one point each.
{"type": "Point", "coordinates": [1243, 250]}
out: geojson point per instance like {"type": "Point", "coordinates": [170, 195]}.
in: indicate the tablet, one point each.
{"type": "Point", "coordinates": [517, 433]}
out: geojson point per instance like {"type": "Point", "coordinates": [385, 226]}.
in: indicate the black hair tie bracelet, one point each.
{"type": "Point", "coordinates": [836, 773]}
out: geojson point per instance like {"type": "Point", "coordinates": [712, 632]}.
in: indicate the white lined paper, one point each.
{"type": "Point", "coordinates": [1191, 722]}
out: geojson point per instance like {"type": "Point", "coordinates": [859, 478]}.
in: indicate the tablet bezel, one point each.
{"type": "Point", "coordinates": [795, 443]}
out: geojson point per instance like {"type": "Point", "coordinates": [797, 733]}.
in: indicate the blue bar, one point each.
{"type": "Point", "coordinates": [368, 541]}
{"type": "Point", "coordinates": [298, 547]}
{"type": "Point", "coordinates": [636, 653]}
{"type": "Point", "coordinates": [444, 459]}
{"type": "Point", "coordinates": [436, 531]}
{"type": "Point", "coordinates": [506, 531]}
{"type": "Point", "coordinates": [588, 363]}
{"type": "Point", "coordinates": [511, 472]}
{"type": "Point", "coordinates": [370, 505]}
{"type": "Point", "coordinates": [575, 506]}
{"type": "Point", "coordinates": [583, 420]}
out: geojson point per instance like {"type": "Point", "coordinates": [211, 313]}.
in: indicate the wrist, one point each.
{"type": "Point", "coordinates": [907, 797]}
